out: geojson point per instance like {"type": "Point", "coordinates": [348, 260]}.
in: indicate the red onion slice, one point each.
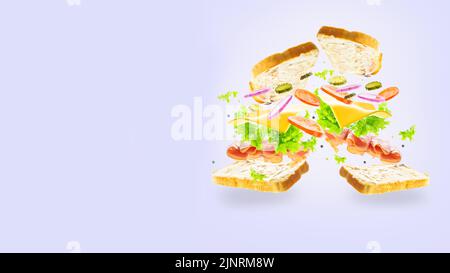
{"type": "Point", "coordinates": [258, 92]}
{"type": "Point", "coordinates": [348, 88]}
{"type": "Point", "coordinates": [371, 97]}
{"type": "Point", "coordinates": [279, 107]}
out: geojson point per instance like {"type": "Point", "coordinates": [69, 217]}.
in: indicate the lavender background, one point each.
{"type": "Point", "coordinates": [85, 148]}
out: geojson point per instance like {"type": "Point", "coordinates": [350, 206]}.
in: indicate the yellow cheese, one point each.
{"type": "Point", "coordinates": [346, 114]}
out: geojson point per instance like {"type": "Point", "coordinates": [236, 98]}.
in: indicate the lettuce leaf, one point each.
{"type": "Point", "coordinates": [324, 73]}
{"type": "Point", "coordinates": [257, 134]}
{"type": "Point", "coordinates": [326, 118]}
{"type": "Point", "coordinates": [309, 145]}
{"type": "Point", "coordinates": [409, 133]}
{"type": "Point", "coordinates": [257, 176]}
{"type": "Point", "coordinates": [227, 96]}
{"type": "Point", "coordinates": [288, 141]}
{"type": "Point", "coordinates": [307, 114]}
{"type": "Point", "coordinates": [370, 124]}
{"type": "Point", "coordinates": [367, 125]}
{"type": "Point", "coordinates": [241, 113]}
{"type": "Point", "coordinates": [384, 107]}
{"type": "Point", "coordinates": [340, 159]}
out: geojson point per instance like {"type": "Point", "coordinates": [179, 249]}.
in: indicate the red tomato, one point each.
{"type": "Point", "coordinates": [307, 125]}
{"type": "Point", "coordinates": [307, 97]}
{"type": "Point", "coordinates": [389, 93]}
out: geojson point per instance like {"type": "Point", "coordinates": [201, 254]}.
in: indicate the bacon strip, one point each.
{"type": "Point", "coordinates": [367, 144]}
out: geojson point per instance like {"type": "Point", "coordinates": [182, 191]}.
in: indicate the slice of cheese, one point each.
{"type": "Point", "coordinates": [347, 114]}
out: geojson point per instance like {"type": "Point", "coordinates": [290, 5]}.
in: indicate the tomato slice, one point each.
{"type": "Point", "coordinates": [331, 90]}
{"type": "Point", "coordinates": [389, 93]}
{"type": "Point", "coordinates": [307, 97]}
{"type": "Point", "coordinates": [307, 125]}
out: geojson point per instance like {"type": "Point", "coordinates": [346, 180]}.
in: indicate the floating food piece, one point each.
{"type": "Point", "coordinates": [348, 88]}
{"type": "Point", "coordinates": [284, 87]}
{"type": "Point", "coordinates": [331, 90]}
{"type": "Point", "coordinates": [373, 85]}
{"type": "Point", "coordinates": [349, 96]}
{"type": "Point", "coordinates": [307, 97]}
{"type": "Point", "coordinates": [258, 92]}
{"type": "Point", "coordinates": [279, 107]}
{"type": "Point", "coordinates": [389, 93]}
{"type": "Point", "coordinates": [307, 125]}
{"type": "Point", "coordinates": [337, 80]}
{"type": "Point", "coordinates": [371, 97]}
{"type": "Point", "coordinates": [306, 76]}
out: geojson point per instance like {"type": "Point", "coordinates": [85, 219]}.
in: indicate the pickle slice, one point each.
{"type": "Point", "coordinates": [373, 85]}
{"type": "Point", "coordinates": [284, 87]}
{"type": "Point", "coordinates": [306, 76]}
{"type": "Point", "coordinates": [349, 96]}
{"type": "Point", "coordinates": [337, 80]}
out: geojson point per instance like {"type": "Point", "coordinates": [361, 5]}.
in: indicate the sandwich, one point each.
{"type": "Point", "coordinates": [270, 153]}
{"type": "Point", "coordinates": [277, 134]}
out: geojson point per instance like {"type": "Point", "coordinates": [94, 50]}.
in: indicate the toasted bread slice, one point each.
{"type": "Point", "coordinates": [350, 51]}
{"type": "Point", "coordinates": [383, 178]}
{"type": "Point", "coordinates": [286, 67]}
{"type": "Point", "coordinates": [276, 177]}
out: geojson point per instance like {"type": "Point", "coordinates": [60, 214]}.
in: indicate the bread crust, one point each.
{"type": "Point", "coordinates": [278, 58]}
{"type": "Point", "coordinates": [354, 36]}
{"type": "Point", "coordinates": [264, 186]}
{"type": "Point", "coordinates": [365, 188]}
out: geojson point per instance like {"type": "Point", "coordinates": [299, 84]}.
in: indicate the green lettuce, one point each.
{"type": "Point", "coordinates": [384, 107]}
{"type": "Point", "coordinates": [340, 159]}
{"type": "Point", "coordinates": [307, 114]}
{"type": "Point", "coordinates": [408, 134]}
{"type": "Point", "coordinates": [367, 125]}
{"type": "Point", "coordinates": [257, 134]}
{"type": "Point", "coordinates": [309, 145]}
{"type": "Point", "coordinates": [370, 124]}
{"type": "Point", "coordinates": [257, 176]}
{"type": "Point", "coordinates": [227, 96]}
{"type": "Point", "coordinates": [287, 141]}
{"type": "Point", "coordinates": [324, 73]}
{"type": "Point", "coordinates": [326, 118]}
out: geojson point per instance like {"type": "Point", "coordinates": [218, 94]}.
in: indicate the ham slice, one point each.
{"type": "Point", "coordinates": [336, 140]}
{"type": "Point", "coordinates": [368, 144]}
{"type": "Point", "coordinates": [268, 154]}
